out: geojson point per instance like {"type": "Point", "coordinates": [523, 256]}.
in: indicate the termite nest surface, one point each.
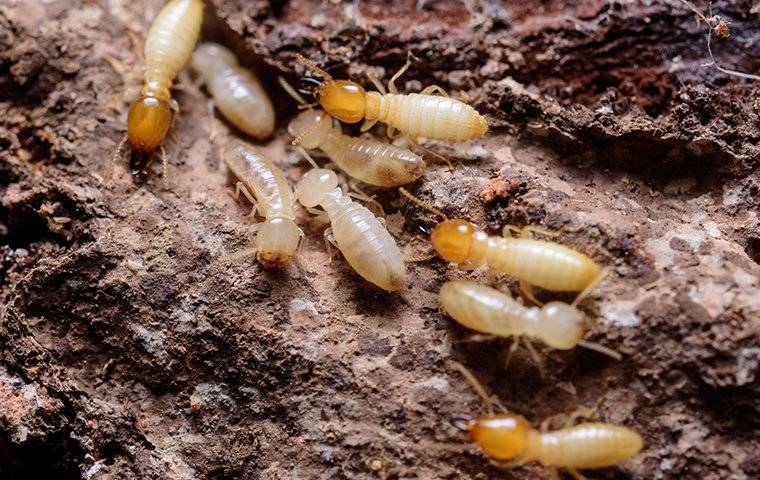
{"type": "Point", "coordinates": [140, 353]}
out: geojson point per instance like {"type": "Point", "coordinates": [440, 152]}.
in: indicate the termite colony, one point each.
{"type": "Point", "coordinates": [363, 238]}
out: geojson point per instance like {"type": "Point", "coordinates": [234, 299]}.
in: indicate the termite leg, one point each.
{"type": "Point", "coordinates": [469, 265]}
{"type": "Point", "coordinates": [527, 231]}
{"type": "Point", "coordinates": [115, 156]}
{"type": "Point", "coordinates": [298, 256]}
{"type": "Point", "coordinates": [128, 95]}
{"type": "Point", "coordinates": [360, 195]}
{"type": "Point", "coordinates": [508, 230]}
{"type": "Point", "coordinates": [174, 106]}
{"type": "Point", "coordinates": [391, 132]}
{"type": "Point", "coordinates": [508, 465]}
{"type": "Point", "coordinates": [306, 155]}
{"type": "Point", "coordinates": [512, 350]}
{"type": "Point", "coordinates": [186, 85]}
{"type": "Point", "coordinates": [433, 88]}
{"type": "Point", "coordinates": [373, 205]}
{"type": "Point", "coordinates": [376, 83]}
{"type": "Point", "coordinates": [582, 412]}
{"type": "Point", "coordinates": [211, 123]}
{"type": "Point", "coordinates": [132, 34]}
{"type": "Point", "coordinates": [576, 474]}
{"type": "Point", "coordinates": [316, 211]}
{"type": "Point", "coordinates": [367, 125]}
{"type": "Point", "coordinates": [535, 356]}
{"type": "Point", "coordinates": [546, 424]}
{"type": "Point", "coordinates": [492, 276]}
{"type": "Point", "coordinates": [554, 474]}
{"type": "Point", "coordinates": [530, 229]}
{"type": "Point", "coordinates": [301, 242]}
{"type": "Point", "coordinates": [392, 82]}
{"type": "Point", "coordinates": [527, 291]}
{"type": "Point", "coordinates": [433, 153]}
{"type": "Point", "coordinates": [477, 338]}
{"type": "Point", "coordinates": [330, 243]}
{"type": "Point", "coordinates": [240, 188]}
{"type": "Point", "coordinates": [586, 291]}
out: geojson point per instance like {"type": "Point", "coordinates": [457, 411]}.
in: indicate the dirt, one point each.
{"type": "Point", "coordinates": [137, 342]}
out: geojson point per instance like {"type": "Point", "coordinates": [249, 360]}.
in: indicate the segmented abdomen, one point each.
{"type": "Point", "coordinates": [481, 308]}
{"type": "Point", "coordinates": [240, 97]}
{"type": "Point", "coordinates": [589, 445]}
{"type": "Point", "coordinates": [262, 178]}
{"type": "Point", "coordinates": [374, 162]}
{"type": "Point", "coordinates": [431, 116]}
{"type": "Point", "coordinates": [171, 40]}
{"type": "Point", "coordinates": [544, 264]}
{"type": "Point", "coordinates": [368, 247]}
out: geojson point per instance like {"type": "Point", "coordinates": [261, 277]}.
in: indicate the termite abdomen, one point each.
{"type": "Point", "coordinates": [366, 159]}
{"type": "Point", "coordinates": [237, 92]}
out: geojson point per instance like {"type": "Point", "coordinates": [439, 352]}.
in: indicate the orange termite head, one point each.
{"type": "Point", "coordinates": [453, 239]}
{"type": "Point", "coordinates": [148, 122]}
{"type": "Point", "coordinates": [343, 99]}
{"type": "Point", "coordinates": [503, 436]}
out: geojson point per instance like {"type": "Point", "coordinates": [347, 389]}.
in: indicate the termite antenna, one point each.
{"type": "Point", "coordinates": [422, 204]}
{"type": "Point", "coordinates": [477, 386]}
{"type": "Point", "coordinates": [600, 349]}
{"type": "Point", "coordinates": [236, 257]}
{"type": "Point", "coordinates": [461, 422]}
{"type": "Point", "coordinates": [313, 67]}
{"type": "Point", "coordinates": [308, 131]}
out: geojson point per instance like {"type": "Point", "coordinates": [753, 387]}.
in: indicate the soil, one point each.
{"type": "Point", "coordinates": [137, 342]}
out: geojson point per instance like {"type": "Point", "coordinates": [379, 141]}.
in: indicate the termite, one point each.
{"type": "Point", "coordinates": [168, 47]}
{"type": "Point", "coordinates": [236, 91]}
{"type": "Point", "coordinates": [487, 310]}
{"type": "Point", "coordinates": [355, 231]}
{"type": "Point", "coordinates": [365, 159]}
{"type": "Point", "coordinates": [540, 263]}
{"type": "Point", "coordinates": [418, 115]}
{"type": "Point", "coordinates": [510, 441]}
{"type": "Point", "coordinates": [265, 186]}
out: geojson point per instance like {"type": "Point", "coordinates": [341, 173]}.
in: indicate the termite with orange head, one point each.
{"type": "Point", "coordinates": [365, 159]}
{"type": "Point", "coordinates": [237, 92]}
{"type": "Point", "coordinates": [418, 115]}
{"type": "Point", "coordinates": [265, 186]}
{"type": "Point", "coordinates": [510, 441]}
{"type": "Point", "coordinates": [540, 263]}
{"type": "Point", "coordinates": [487, 310]}
{"type": "Point", "coordinates": [359, 235]}
{"type": "Point", "coordinates": [168, 48]}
